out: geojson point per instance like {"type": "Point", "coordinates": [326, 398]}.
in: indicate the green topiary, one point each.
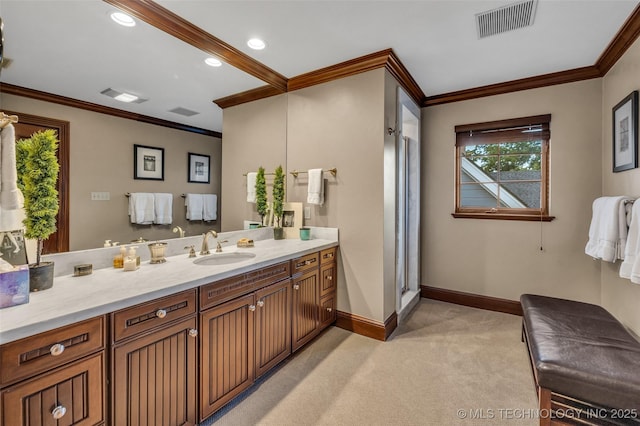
{"type": "Point", "coordinates": [37, 166]}
{"type": "Point", "coordinates": [278, 196]}
{"type": "Point", "coordinates": [261, 194]}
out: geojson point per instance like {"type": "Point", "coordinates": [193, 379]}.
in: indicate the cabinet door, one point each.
{"type": "Point", "coordinates": [305, 308]}
{"type": "Point", "coordinates": [154, 377]}
{"type": "Point", "coordinates": [273, 325]}
{"type": "Point", "coordinates": [227, 352]}
{"type": "Point", "coordinates": [71, 395]}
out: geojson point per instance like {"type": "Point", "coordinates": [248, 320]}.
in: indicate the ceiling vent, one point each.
{"type": "Point", "coordinates": [183, 111]}
{"type": "Point", "coordinates": [506, 18]}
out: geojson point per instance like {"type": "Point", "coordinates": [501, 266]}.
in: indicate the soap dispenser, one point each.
{"type": "Point", "coordinates": [118, 259]}
{"type": "Point", "coordinates": [130, 262]}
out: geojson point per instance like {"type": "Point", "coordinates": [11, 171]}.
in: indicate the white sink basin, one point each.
{"type": "Point", "coordinates": [224, 258]}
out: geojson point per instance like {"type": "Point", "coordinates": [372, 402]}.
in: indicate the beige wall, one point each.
{"type": "Point", "coordinates": [337, 124]}
{"type": "Point", "coordinates": [503, 258]}
{"type": "Point", "coordinates": [254, 135]}
{"type": "Point", "coordinates": [619, 296]}
{"type": "Point", "coordinates": [101, 159]}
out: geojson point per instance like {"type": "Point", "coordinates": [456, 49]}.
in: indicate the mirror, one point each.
{"type": "Point", "coordinates": [141, 60]}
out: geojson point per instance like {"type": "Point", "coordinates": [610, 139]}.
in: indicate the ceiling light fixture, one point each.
{"type": "Point", "coordinates": [123, 19]}
{"type": "Point", "coordinates": [256, 44]}
{"type": "Point", "coordinates": [126, 97]}
{"type": "Point", "coordinates": [213, 62]}
{"type": "Point", "coordinates": [123, 96]}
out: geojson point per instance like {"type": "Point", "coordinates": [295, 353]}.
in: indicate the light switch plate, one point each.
{"type": "Point", "coordinates": [100, 196]}
{"type": "Point", "coordinates": [307, 212]}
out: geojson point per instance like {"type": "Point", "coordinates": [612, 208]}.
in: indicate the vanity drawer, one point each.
{"type": "Point", "coordinates": [146, 316]}
{"type": "Point", "coordinates": [327, 279]}
{"type": "Point", "coordinates": [327, 310]}
{"type": "Point", "coordinates": [32, 355]}
{"type": "Point", "coordinates": [328, 255]}
{"type": "Point", "coordinates": [221, 291]}
{"type": "Point", "coordinates": [305, 263]}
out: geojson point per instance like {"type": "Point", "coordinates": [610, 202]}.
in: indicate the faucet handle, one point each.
{"type": "Point", "coordinates": [219, 247]}
{"type": "Point", "coordinates": [192, 251]}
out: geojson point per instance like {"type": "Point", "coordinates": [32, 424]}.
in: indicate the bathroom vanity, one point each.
{"type": "Point", "coordinates": [170, 353]}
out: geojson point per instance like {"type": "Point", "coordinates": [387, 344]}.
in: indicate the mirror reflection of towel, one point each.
{"type": "Point", "coordinates": [163, 208]}
{"type": "Point", "coordinates": [142, 208]}
{"type": "Point", "coordinates": [195, 206]}
{"type": "Point", "coordinates": [210, 207]}
{"type": "Point", "coordinates": [251, 187]}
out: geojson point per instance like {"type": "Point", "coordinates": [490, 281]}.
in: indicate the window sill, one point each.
{"type": "Point", "coordinates": [502, 216]}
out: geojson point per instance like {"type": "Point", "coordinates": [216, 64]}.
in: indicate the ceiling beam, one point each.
{"type": "Point", "coordinates": [172, 24]}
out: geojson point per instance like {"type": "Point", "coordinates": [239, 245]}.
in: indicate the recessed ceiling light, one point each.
{"type": "Point", "coordinates": [213, 62]}
{"type": "Point", "coordinates": [256, 44]}
{"type": "Point", "coordinates": [123, 96]}
{"type": "Point", "coordinates": [123, 19]}
{"type": "Point", "coordinates": [126, 97]}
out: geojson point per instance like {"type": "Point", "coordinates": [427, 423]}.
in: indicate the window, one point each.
{"type": "Point", "coordinates": [502, 169]}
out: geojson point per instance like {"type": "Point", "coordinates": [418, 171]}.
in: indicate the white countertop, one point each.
{"type": "Point", "coordinates": [73, 299]}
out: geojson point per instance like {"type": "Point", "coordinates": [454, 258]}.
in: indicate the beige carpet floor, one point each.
{"type": "Point", "coordinates": [445, 365]}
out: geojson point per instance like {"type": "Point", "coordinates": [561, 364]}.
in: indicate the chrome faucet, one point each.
{"type": "Point", "coordinates": [204, 250]}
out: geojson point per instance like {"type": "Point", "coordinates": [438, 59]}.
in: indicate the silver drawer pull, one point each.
{"type": "Point", "coordinates": [161, 313]}
{"type": "Point", "coordinates": [296, 286]}
{"type": "Point", "coordinates": [329, 309]}
{"type": "Point", "coordinates": [59, 412]}
{"type": "Point", "coordinates": [261, 303]}
{"type": "Point", "coordinates": [329, 277]}
{"type": "Point", "coordinates": [57, 349]}
{"type": "Point", "coordinates": [193, 332]}
{"type": "Point", "coordinates": [252, 308]}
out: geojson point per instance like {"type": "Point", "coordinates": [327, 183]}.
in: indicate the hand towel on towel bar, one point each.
{"type": "Point", "coordinates": [163, 207]}
{"type": "Point", "coordinates": [142, 208]}
{"type": "Point", "coordinates": [315, 187]}
{"type": "Point", "coordinates": [251, 187]}
{"type": "Point", "coordinates": [608, 229]}
{"type": "Point", "coordinates": [210, 207]}
{"type": "Point", "coordinates": [195, 206]}
{"type": "Point", "coordinates": [631, 261]}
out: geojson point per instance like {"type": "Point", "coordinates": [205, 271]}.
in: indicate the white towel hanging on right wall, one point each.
{"type": "Point", "coordinates": [315, 188]}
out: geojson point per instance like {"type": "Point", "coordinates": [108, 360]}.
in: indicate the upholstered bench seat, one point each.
{"type": "Point", "coordinates": [579, 350]}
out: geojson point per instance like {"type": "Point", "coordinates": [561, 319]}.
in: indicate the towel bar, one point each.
{"type": "Point", "coordinates": [333, 172]}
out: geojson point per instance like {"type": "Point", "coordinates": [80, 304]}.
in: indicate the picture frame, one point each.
{"type": "Point", "coordinates": [625, 133]}
{"type": "Point", "coordinates": [292, 220]}
{"type": "Point", "coordinates": [199, 170]}
{"type": "Point", "coordinates": [148, 162]}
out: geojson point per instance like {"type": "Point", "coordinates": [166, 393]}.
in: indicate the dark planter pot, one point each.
{"type": "Point", "coordinates": [278, 233]}
{"type": "Point", "coordinates": [40, 276]}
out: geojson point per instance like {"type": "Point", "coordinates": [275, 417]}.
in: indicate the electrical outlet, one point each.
{"type": "Point", "coordinates": [307, 212]}
{"type": "Point", "coordinates": [100, 196]}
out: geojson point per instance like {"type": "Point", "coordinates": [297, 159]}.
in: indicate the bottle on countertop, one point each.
{"type": "Point", "coordinates": [132, 261]}
{"type": "Point", "coordinates": [118, 259]}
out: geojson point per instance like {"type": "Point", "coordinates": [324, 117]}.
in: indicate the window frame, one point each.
{"type": "Point", "coordinates": [485, 131]}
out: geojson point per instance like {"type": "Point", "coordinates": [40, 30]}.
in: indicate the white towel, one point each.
{"type": "Point", "coordinates": [608, 229]}
{"type": "Point", "coordinates": [195, 206]}
{"type": "Point", "coordinates": [10, 195]}
{"type": "Point", "coordinates": [163, 208]}
{"type": "Point", "coordinates": [315, 187]}
{"type": "Point", "coordinates": [210, 207]}
{"type": "Point", "coordinates": [142, 208]}
{"type": "Point", "coordinates": [251, 187]}
{"type": "Point", "coordinates": [632, 249]}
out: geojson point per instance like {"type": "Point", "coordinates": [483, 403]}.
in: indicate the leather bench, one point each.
{"type": "Point", "coordinates": [586, 365]}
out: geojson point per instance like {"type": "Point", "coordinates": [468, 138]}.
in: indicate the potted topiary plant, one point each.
{"type": "Point", "coordinates": [37, 166]}
{"type": "Point", "coordinates": [261, 195]}
{"type": "Point", "coordinates": [278, 203]}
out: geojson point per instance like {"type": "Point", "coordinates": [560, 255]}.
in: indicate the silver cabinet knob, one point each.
{"type": "Point", "coordinates": [261, 303]}
{"type": "Point", "coordinates": [161, 313]}
{"type": "Point", "coordinates": [329, 277]}
{"type": "Point", "coordinates": [329, 309]}
{"type": "Point", "coordinates": [59, 412]}
{"type": "Point", "coordinates": [56, 349]}
{"type": "Point", "coordinates": [296, 286]}
{"type": "Point", "coordinates": [252, 308]}
{"type": "Point", "coordinates": [193, 332]}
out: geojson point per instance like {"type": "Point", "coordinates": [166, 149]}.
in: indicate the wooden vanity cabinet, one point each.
{"type": "Point", "coordinates": [154, 362]}
{"type": "Point", "coordinates": [243, 337]}
{"type": "Point", "coordinates": [55, 378]}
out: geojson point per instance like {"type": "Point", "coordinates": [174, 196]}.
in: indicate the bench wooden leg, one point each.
{"type": "Point", "coordinates": [544, 404]}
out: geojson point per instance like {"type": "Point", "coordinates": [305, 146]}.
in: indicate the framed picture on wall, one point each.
{"type": "Point", "coordinates": [199, 168]}
{"type": "Point", "coordinates": [148, 162]}
{"type": "Point", "coordinates": [625, 133]}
